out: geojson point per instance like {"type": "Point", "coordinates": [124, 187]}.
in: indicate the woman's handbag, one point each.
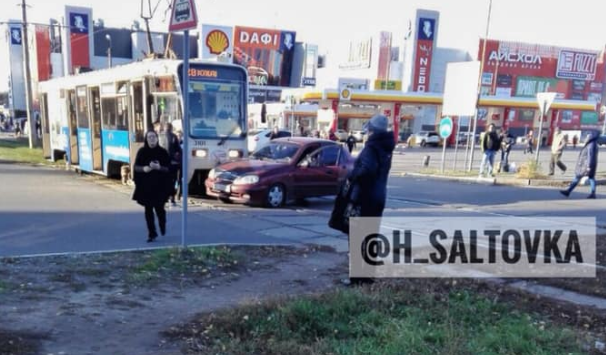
{"type": "Point", "coordinates": [345, 207]}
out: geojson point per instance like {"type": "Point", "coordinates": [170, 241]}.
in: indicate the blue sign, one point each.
{"type": "Point", "coordinates": [16, 38]}
{"type": "Point", "coordinates": [426, 30]}
{"type": "Point", "coordinates": [115, 147]}
{"type": "Point", "coordinates": [287, 41]}
{"type": "Point", "coordinates": [308, 81]}
{"type": "Point", "coordinates": [85, 150]}
{"type": "Point", "coordinates": [445, 127]}
{"type": "Point", "coordinates": [67, 146]}
{"type": "Point", "coordinates": [78, 23]}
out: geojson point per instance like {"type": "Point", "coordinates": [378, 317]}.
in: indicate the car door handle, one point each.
{"type": "Point", "coordinates": [329, 172]}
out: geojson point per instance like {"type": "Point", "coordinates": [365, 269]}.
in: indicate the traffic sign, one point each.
{"type": "Point", "coordinates": [183, 16]}
{"type": "Point", "coordinates": [445, 127]}
{"type": "Point", "coordinates": [545, 99]}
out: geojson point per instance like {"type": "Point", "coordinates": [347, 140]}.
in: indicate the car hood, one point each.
{"type": "Point", "coordinates": [246, 166]}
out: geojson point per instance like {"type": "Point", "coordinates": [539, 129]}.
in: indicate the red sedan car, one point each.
{"type": "Point", "coordinates": [285, 169]}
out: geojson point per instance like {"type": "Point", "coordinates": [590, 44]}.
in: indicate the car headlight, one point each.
{"type": "Point", "coordinates": [234, 153]}
{"type": "Point", "coordinates": [246, 180]}
{"type": "Point", "coordinates": [212, 174]}
{"type": "Point", "coordinates": [200, 153]}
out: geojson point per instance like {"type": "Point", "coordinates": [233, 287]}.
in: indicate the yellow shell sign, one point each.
{"type": "Point", "coordinates": [217, 42]}
{"type": "Point", "coordinates": [345, 94]}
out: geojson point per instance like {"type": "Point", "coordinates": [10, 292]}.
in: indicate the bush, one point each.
{"type": "Point", "coordinates": [530, 170]}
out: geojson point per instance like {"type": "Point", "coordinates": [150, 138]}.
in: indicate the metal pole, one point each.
{"type": "Point", "coordinates": [467, 143]}
{"type": "Point", "coordinates": [444, 143]}
{"type": "Point", "coordinates": [184, 174]}
{"type": "Point", "coordinates": [543, 117]}
{"type": "Point", "coordinates": [475, 119]}
{"type": "Point", "coordinates": [33, 137]}
{"type": "Point", "coordinates": [456, 151]}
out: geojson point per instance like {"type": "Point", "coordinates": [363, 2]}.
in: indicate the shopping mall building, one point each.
{"type": "Point", "coordinates": [401, 75]}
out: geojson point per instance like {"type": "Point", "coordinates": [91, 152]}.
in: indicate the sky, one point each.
{"type": "Point", "coordinates": [333, 23]}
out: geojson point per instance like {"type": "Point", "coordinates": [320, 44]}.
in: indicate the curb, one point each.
{"type": "Point", "coordinates": [497, 181]}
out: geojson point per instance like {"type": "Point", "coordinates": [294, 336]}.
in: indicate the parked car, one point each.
{"type": "Point", "coordinates": [602, 139]}
{"type": "Point", "coordinates": [282, 170]}
{"type": "Point", "coordinates": [424, 138]}
{"type": "Point", "coordinates": [342, 135]}
{"type": "Point", "coordinates": [359, 135]}
{"type": "Point", "coordinates": [258, 138]}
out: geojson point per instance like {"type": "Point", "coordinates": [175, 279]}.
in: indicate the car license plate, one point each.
{"type": "Point", "coordinates": [220, 187]}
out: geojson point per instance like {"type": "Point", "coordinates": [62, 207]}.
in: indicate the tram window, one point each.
{"type": "Point", "coordinates": [82, 108]}
{"type": "Point", "coordinates": [122, 113]}
{"type": "Point", "coordinates": [108, 108]}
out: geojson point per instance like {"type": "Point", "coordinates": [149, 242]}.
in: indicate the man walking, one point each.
{"type": "Point", "coordinates": [507, 141]}
{"type": "Point", "coordinates": [489, 144]}
{"type": "Point", "coordinates": [557, 147]}
{"type": "Point", "coordinates": [351, 142]}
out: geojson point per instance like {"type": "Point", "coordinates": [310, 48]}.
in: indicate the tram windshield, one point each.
{"type": "Point", "coordinates": [216, 109]}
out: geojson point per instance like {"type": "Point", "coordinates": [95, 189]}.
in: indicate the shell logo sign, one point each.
{"type": "Point", "coordinates": [217, 42]}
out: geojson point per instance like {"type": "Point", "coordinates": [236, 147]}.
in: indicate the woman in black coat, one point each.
{"type": "Point", "coordinates": [369, 176]}
{"type": "Point", "coordinates": [152, 183]}
{"type": "Point", "coordinates": [586, 164]}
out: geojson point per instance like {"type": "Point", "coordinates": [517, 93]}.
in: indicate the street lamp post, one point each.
{"type": "Point", "coordinates": [109, 50]}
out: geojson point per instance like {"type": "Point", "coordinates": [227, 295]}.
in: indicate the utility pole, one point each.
{"type": "Point", "coordinates": [33, 134]}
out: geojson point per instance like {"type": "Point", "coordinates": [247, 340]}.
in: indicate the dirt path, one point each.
{"type": "Point", "coordinates": [104, 316]}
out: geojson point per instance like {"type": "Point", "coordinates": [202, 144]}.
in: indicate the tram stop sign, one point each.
{"type": "Point", "coordinates": [445, 127]}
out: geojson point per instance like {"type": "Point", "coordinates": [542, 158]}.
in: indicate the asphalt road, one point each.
{"type": "Point", "coordinates": [46, 211]}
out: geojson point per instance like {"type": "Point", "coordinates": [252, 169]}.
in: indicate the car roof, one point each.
{"type": "Point", "coordinates": [303, 140]}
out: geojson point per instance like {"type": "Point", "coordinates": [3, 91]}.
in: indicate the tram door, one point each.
{"type": "Point", "coordinates": [95, 110]}
{"type": "Point", "coordinates": [72, 124]}
{"type": "Point", "coordinates": [136, 126]}
{"type": "Point", "coordinates": [46, 148]}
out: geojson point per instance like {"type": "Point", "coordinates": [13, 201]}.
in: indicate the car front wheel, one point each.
{"type": "Point", "coordinates": [275, 196]}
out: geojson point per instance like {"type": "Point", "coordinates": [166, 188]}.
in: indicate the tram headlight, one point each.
{"type": "Point", "coordinates": [200, 153]}
{"type": "Point", "coordinates": [234, 153]}
{"type": "Point", "coordinates": [246, 180]}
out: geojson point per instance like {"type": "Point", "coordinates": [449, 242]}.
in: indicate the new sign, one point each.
{"type": "Point", "coordinates": [576, 65]}
{"type": "Point", "coordinates": [424, 53]}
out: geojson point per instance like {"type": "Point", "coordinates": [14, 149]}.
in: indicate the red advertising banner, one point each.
{"type": "Point", "coordinates": [267, 54]}
{"type": "Point", "coordinates": [80, 50]}
{"type": "Point", "coordinates": [424, 54]}
{"type": "Point", "coordinates": [261, 38]}
{"type": "Point", "coordinates": [515, 60]}
{"type": "Point", "coordinates": [43, 52]}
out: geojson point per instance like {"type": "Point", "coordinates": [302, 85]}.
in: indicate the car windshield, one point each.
{"type": "Point", "coordinates": [276, 151]}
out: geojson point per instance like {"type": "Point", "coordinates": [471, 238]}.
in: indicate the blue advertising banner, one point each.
{"type": "Point", "coordinates": [115, 147]}
{"type": "Point", "coordinates": [84, 149]}
{"type": "Point", "coordinates": [66, 147]}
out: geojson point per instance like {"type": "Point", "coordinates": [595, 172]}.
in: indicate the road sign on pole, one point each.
{"type": "Point", "coordinates": [544, 99]}
{"type": "Point", "coordinates": [183, 16]}
{"type": "Point", "coordinates": [445, 127]}
{"type": "Point", "coordinates": [445, 132]}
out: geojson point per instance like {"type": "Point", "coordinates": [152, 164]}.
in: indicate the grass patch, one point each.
{"type": "Point", "coordinates": [197, 260]}
{"type": "Point", "coordinates": [18, 150]}
{"type": "Point", "coordinates": [382, 321]}
{"type": "Point", "coordinates": [530, 170]}
{"type": "Point", "coordinates": [455, 173]}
